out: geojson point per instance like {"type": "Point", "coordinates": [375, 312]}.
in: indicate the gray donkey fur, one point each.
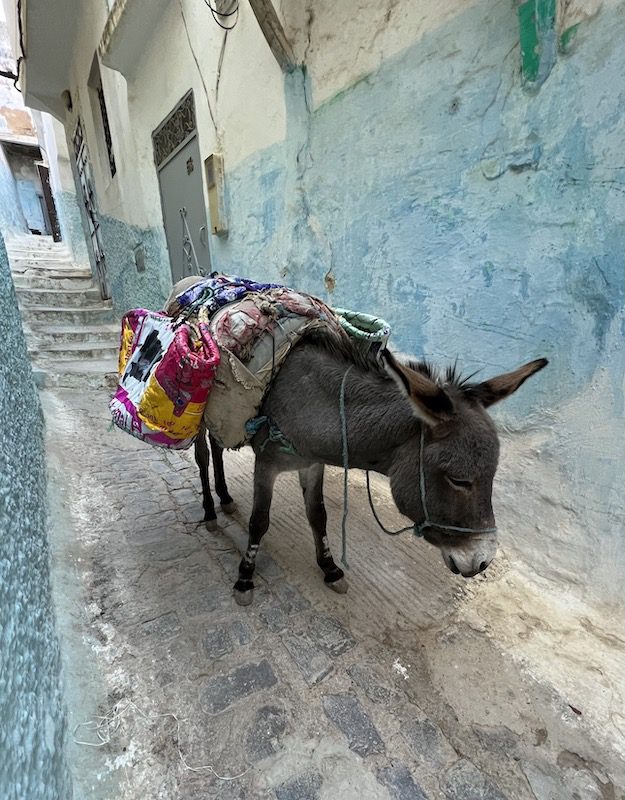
{"type": "Point", "coordinates": [388, 404]}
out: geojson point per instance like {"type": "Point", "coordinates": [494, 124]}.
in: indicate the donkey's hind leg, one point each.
{"type": "Point", "coordinates": [228, 506]}
{"type": "Point", "coordinates": [311, 481]}
{"type": "Point", "coordinates": [202, 457]}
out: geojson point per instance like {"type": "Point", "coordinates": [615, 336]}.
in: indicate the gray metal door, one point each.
{"type": "Point", "coordinates": [177, 159]}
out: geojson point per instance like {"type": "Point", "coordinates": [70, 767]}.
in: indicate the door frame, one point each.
{"type": "Point", "coordinates": [49, 204]}
{"type": "Point", "coordinates": [90, 206]}
{"type": "Point", "coordinates": [169, 137]}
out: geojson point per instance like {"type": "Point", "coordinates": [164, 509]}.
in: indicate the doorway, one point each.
{"type": "Point", "coordinates": [87, 190]}
{"type": "Point", "coordinates": [32, 185]}
{"type": "Point", "coordinates": [177, 160]}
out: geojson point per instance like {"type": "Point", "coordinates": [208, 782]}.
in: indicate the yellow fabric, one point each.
{"type": "Point", "coordinates": [157, 411]}
{"type": "Point", "coordinates": [125, 347]}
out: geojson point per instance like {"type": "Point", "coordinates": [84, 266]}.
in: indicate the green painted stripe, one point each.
{"type": "Point", "coordinates": [528, 35]}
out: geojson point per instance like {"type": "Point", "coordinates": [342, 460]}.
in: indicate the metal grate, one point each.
{"type": "Point", "coordinates": [175, 130]}
{"type": "Point", "coordinates": [107, 131]}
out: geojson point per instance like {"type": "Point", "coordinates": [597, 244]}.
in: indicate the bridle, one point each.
{"type": "Point", "coordinates": [427, 522]}
{"type": "Point", "coordinates": [417, 529]}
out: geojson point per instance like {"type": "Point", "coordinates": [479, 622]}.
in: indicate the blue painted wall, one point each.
{"type": "Point", "coordinates": [129, 287]}
{"type": "Point", "coordinates": [11, 217]}
{"type": "Point", "coordinates": [32, 714]}
{"type": "Point", "coordinates": [482, 221]}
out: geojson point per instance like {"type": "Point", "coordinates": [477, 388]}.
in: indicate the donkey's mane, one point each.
{"type": "Point", "coordinates": [340, 345]}
{"type": "Point", "coordinates": [448, 377]}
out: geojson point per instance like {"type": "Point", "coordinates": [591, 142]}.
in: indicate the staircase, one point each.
{"type": "Point", "coordinates": [72, 335]}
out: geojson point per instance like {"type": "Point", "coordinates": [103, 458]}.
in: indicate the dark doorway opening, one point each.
{"type": "Point", "coordinates": [32, 183]}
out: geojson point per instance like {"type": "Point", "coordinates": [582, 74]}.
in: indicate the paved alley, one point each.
{"type": "Point", "coordinates": [391, 691]}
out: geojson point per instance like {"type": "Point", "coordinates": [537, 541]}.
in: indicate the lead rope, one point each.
{"type": "Point", "coordinates": [345, 468]}
{"type": "Point", "coordinates": [345, 481]}
{"type": "Point", "coordinates": [377, 519]}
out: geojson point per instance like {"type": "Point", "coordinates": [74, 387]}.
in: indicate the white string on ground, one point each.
{"type": "Point", "coordinates": [105, 726]}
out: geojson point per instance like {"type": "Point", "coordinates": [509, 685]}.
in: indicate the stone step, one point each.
{"type": "Point", "coordinates": [49, 352]}
{"type": "Point", "coordinates": [27, 240]}
{"type": "Point", "coordinates": [74, 298]}
{"type": "Point", "coordinates": [26, 263]}
{"type": "Point", "coordinates": [36, 246]}
{"type": "Point", "coordinates": [62, 268]}
{"type": "Point", "coordinates": [40, 333]}
{"type": "Point", "coordinates": [20, 248]}
{"type": "Point", "coordinates": [77, 375]}
{"type": "Point", "coordinates": [53, 279]}
{"type": "Point", "coordinates": [65, 314]}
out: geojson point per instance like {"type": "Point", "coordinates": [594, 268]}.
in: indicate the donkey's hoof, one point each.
{"type": "Point", "coordinates": [229, 508]}
{"type": "Point", "coordinates": [211, 525]}
{"type": "Point", "coordinates": [243, 598]}
{"type": "Point", "coordinates": [340, 586]}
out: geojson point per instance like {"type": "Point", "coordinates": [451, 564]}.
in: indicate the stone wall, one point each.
{"type": "Point", "coordinates": [32, 763]}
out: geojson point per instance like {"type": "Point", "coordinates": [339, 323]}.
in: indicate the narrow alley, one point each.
{"type": "Point", "coordinates": [408, 686]}
{"type": "Point", "coordinates": [348, 233]}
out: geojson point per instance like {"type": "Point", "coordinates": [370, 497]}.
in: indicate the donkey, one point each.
{"type": "Point", "coordinates": [429, 433]}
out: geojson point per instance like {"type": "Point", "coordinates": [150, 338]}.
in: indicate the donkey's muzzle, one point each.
{"type": "Point", "coordinates": [469, 558]}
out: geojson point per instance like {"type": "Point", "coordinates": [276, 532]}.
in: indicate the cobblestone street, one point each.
{"type": "Point", "coordinates": [390, 691]}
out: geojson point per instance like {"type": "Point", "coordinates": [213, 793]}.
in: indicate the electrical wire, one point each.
{"type": "Point", "coordinates": [22, 55]}
{"type": "Point", "coordinates": [215, 14]}
{"type": "Point", "coordinates": [197, 64]}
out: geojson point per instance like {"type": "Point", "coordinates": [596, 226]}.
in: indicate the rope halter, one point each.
{"type": "Point", "coordinates": [417, 528]}
{"type": "Point", "coordinates": [427, 522]}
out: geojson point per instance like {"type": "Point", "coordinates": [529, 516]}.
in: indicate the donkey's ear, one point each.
{"type": "Point", "coordinates": [431, 403]}
{"type": "Point", "coordinates": [496, 389]}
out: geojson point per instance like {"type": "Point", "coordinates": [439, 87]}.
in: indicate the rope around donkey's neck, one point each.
{"type": "Point", "coordinates": [345, 468]}
{"type": "Point", "coordinates": [345, 450]}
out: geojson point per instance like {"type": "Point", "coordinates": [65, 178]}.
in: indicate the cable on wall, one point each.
{"type": "Point", "coordinates": [197, 64]}
{"type": "Point", "coordinates": [224, 15]}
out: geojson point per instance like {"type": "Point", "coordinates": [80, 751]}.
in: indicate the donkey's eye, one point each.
{"type": "Point", "coordinates": [457, 483]}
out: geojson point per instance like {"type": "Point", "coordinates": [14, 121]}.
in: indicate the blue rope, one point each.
{"type": "Point", "coordinates": [377, 519]}
{"type": "Point", "coordinates": [345, 468]}
{"type": "Point", "coordinates": [274, 434]}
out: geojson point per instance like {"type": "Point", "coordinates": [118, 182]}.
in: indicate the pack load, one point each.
{"type": "Point", "coordinates": [243, 331]}
{"type": "Point", "coordinates": [165, 376]}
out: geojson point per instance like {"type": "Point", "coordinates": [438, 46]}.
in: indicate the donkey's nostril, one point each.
{"type": "Point", "coordinates": [483, 566]}
{"type": "Point", "coordinates": [452, 566]}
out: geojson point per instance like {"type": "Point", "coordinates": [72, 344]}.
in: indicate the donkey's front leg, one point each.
{"type": "Point", "coordinates": [202, 457]}
{"type": "Point", "coordinates": [265, 476]}
{"type": "Point", "coordinates": [311, 480]}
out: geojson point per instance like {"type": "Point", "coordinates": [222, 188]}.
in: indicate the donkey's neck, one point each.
{"type": "Point", "coordinates": [305, 404]}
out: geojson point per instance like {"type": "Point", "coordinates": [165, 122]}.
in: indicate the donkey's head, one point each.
{"type": "Point", "coordinates": [442, 478]}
